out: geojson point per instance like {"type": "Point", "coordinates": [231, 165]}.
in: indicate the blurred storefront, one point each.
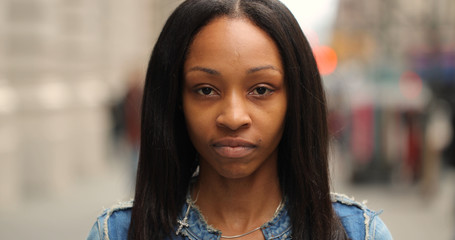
{"type": "Point", "coordinates": [62, 63]}
{"type": "Point", "coordinates": [393, 94]}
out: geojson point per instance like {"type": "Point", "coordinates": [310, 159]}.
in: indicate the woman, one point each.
{"type": "Point", "coordinates": [232, 87]}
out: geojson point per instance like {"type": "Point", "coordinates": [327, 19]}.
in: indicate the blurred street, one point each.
{"type": "Point", "coordinates": [407, 213]}
{"type": "Point", "coordinates": [70, 215]}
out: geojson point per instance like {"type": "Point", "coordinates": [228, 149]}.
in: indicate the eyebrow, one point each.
{"type": "Point", "coordinates": [206, 70]}
{"type": "Point", "coordinates": [265, 67]}
{"type": "Point", "coordinates": [249, 71]}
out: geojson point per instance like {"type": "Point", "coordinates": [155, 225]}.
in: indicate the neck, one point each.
{"type": "Point", "coordinates": [238, 205]}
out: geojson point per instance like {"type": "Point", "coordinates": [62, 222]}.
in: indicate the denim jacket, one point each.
{"type": "Point", "coordinates": [359, 222]}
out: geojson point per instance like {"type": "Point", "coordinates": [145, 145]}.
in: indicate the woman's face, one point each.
{"type": "Point", "coordinates": [234, 97]}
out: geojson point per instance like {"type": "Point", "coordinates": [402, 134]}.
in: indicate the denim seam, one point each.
{"type": "Point", "coordinates": [283, 233]}
{"type": "Point", "coordinates": [100, 232]}
{"type": "Point", "coordinates": [189, 234]}
{"type": "Point", "coordinates": [201, 217]}
{"type": "Point", "coordinates": [375, 214]}
{"type": "Point", "coordinates": [374, 229]}
{"type": "Point", "coordinates": [344, 199]}
{"type": "Point", "coordinates": [367, 225]}
{"type": "Point", "coordinates": [118, 206]}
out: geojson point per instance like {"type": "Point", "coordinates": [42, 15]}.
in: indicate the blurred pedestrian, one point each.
{"type": "Point", "coordinates": [438, 134]}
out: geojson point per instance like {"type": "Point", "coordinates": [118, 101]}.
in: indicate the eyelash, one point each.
{"type": "Point", "coordinates": [200, 91]}
{"type": "Point", "coordinates": [267, 92]}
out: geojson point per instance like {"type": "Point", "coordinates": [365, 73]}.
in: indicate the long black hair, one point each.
{"type": "Point", "coordinates": [167, 156]}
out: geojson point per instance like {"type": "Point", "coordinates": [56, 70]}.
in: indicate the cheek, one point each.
{"type": "Point", "coordinates": [190, 118]}
{"type": "Point", "coordinates": [276, 120]}
{"type": "Point", "coordinates": [269, 125]}
{"type": "Point", "coordinates": [276, 113]}
{"type": "Point", "coordinates": [197, 121]}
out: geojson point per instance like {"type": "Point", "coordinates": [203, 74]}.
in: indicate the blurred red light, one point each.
{"type": "Point", "coordinates": [326, 59]}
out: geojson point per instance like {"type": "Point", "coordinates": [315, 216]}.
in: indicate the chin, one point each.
{"type": "Point", "coordinates": [235, 172]}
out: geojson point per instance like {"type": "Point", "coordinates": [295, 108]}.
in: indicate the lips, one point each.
{"type": "Point", "coordinates": [233, 147]}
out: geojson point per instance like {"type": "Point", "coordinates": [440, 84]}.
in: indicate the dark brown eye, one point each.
{"type": "Point", "coordinates": [206, 91]}
{"type": "Point", "coordinates": [261, 90]}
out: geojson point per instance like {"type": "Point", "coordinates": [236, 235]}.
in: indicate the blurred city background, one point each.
{"type": "Point", "coordinates": [71, 73]}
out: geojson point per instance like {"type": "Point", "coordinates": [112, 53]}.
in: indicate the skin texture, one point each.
{"type": "Point", "coordinates": [234, 103]}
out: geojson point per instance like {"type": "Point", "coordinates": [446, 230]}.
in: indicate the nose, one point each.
{"type": "Point", "coordinates": [234, 114]}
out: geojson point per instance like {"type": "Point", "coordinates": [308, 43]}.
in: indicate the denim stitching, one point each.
{"type": "Point", "coordinates": [100, 233]}
{"type": "Point", "coordinates": [193, 211]}
{"type": "Point", "coordinates": [117, 207]}
{"type": "Point", "coordinates": [190, 235]}
{"type": "Point", "coordinates": [344, 199]}
{"type": "Point", "coordinates": [367, 225]}
{"type": "Point", "coordinates": [374, 230]}
{"type": "Point", "coordinates": [283, 234]}
{"type": "Point", "coordinates": [375, 214]}
{"type": "Point", "coordinates": [201, 217]}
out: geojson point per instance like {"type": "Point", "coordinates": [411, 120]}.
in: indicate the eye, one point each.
{"type": "Point", "coordinates": [261, 91]}
{"type": "Point", "coordinates": [207, 91]}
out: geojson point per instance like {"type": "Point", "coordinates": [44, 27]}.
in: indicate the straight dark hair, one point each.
{"type": "Point", "coordinates": [167, 156]}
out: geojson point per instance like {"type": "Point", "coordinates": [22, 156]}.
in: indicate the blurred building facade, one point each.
{"type": "Point", "coordinates": [397, 64]}
{"type": "Point", "coordinates": [61, 64]}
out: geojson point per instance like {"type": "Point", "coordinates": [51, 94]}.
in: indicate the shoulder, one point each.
{"type": "Point", "coordinates": [359, 222]}
{"type": "Point", "coordinates": [113, 223]}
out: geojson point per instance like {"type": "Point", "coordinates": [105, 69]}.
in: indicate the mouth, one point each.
{"type": "Point", "coordinates": [233, 148]}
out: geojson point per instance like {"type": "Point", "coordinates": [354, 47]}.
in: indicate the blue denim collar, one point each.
{"type": "Point", "coordinates": [360, 223]}
{"type": "Point", "coordinates": [196, 228]}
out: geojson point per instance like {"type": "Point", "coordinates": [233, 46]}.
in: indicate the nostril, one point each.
{"type": "Point", "coordinates": [233, 120]}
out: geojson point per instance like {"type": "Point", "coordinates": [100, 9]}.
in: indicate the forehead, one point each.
{"type": "Point", "coordinates": [233, 40]}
